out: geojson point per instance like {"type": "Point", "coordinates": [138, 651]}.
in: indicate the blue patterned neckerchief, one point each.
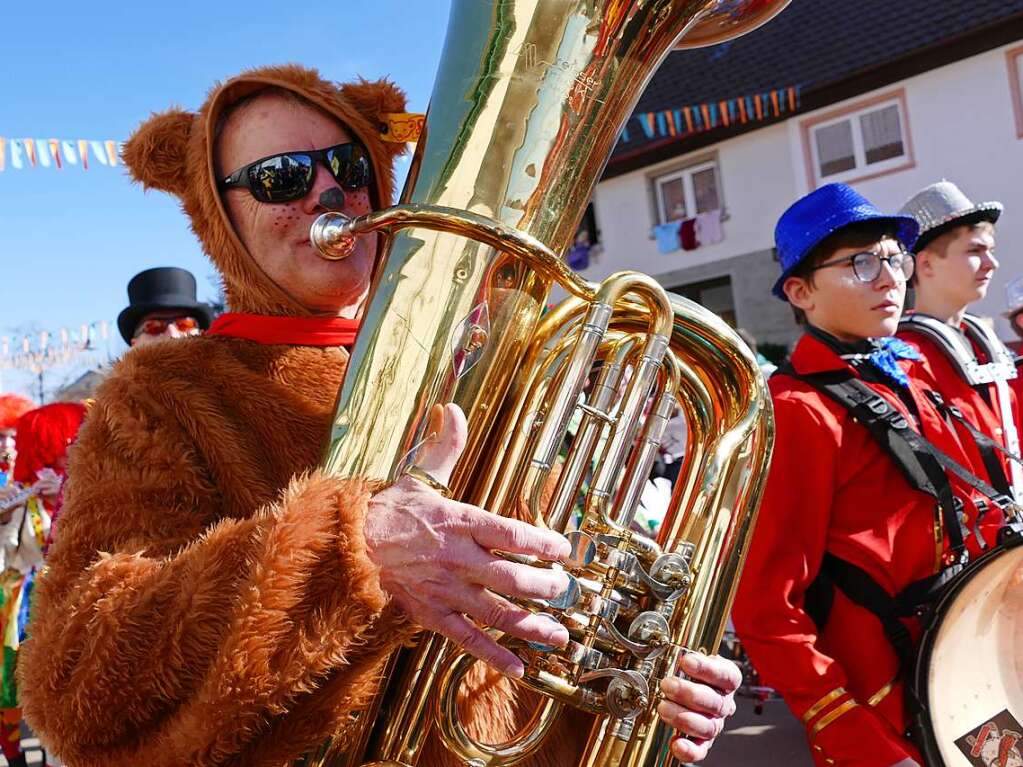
{"type": "Point", "coordinates": [882, 354]}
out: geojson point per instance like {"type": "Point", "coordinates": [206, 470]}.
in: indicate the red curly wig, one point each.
{"type": "Point", "coordinates": [44, 435]}
{"type": "Point", "coordinates": [13, 407]}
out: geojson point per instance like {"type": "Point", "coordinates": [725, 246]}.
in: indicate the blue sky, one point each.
{"type": "Point", "coordinates": [70, 240]}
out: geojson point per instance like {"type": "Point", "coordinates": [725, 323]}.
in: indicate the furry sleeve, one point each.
{"type": "Point", "coordinates": [164, 634]}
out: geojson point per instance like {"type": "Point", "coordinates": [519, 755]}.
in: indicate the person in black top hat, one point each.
{"type": "Point", "coordinates": [162, 304]}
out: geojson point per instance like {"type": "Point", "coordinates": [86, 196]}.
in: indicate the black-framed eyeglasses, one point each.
{"type": "Point", "coordinates": [289, 176]}
{"type": "Point", "coordinates": [867, 265]}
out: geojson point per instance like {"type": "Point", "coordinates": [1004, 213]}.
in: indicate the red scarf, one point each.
{"type": "Point", "coordinates": [293, 331]}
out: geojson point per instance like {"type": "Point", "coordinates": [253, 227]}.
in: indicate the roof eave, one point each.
{"type": "Point", "coordinates": [948, 51]}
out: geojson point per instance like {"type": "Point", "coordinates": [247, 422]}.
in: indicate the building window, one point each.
{"type": "Point", "coordinates": [588, 227]}
{"type": "Point", "coordinates": [1015, 59]}
{"type": "Point", "coordinates": [862, 140]}
{"type": "Point", "coordinates": [585, 244]}
{"type": "Point", "coordinates": [684, 193]}
{"type": "Point", "coordinates": [715, 295]}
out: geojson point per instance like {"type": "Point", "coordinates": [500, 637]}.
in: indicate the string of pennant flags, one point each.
{"type": "Point", "coordinates": [696, 118]}
{"type": "Point", "coordinates": [42, 350]}
{"type": "Point", "coordinates": [57, 153]}
{"type": "Point", "coordinates": [678, 122]}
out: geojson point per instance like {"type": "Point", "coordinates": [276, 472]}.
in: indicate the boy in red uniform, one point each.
{"type": "Point", "coordinates": [1014, 294]}
{"type": "Point", "coordinates": [843, 529]}
{"type": "Point", "coordinates": [970, 368]}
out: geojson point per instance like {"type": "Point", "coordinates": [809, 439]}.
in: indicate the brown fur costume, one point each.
{"type": "Point", "coordinates": [209, 600]}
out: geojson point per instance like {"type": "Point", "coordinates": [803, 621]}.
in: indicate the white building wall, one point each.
{"type": "Point", "coordinates": [757, 184]}
{"type": "Point", "coordinates": [962, 127]}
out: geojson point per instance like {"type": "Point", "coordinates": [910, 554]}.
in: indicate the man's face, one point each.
{"type": "Point", "coordinates": [961, 273]}
{"type": "Point", "coordinates": [170, 323]}
{"type": "Point", "coordinates": [839, 303]}
{"type": "Point", "coordinates": [277, 235]}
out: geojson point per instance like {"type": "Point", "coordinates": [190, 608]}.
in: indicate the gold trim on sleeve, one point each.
{"type": "Point", "coordinates": [830, 717]}
{"type": "Point", "coordinates": [823, 703]}
{"type": "Point", "coordinates": [881, 694]}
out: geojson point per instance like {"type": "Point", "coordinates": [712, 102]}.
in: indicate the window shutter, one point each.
{"type": "Point", "coordinates": [882, 134]}
{"type": "Point", "coordinates": [835, 148]}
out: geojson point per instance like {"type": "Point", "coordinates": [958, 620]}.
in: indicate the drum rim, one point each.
{"type": "Point", "coordinates": [916, 680]}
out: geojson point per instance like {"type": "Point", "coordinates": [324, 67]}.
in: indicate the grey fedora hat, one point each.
{"type": "Point", "coordinates": [943, 206]}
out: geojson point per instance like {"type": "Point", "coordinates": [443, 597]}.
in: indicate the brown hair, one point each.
{"type": "Point", "coordinates": [940, 243]}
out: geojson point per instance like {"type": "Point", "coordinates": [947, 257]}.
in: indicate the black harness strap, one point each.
{"type": "Point", "coordinates": [918, 460]}
{"type": "Point", "coordinates": [926, 468]}
{"type": "Point", "coordinates": [864, 591]}
{"type": "Point", "coordinates": [988, 447]}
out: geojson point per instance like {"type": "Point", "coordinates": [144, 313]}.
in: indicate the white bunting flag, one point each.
{"type": "Point", "coordinates": [43, 152]}
{"type": "Point", "coordinates": [17, 159]}
{"type": "Point", "coordinates": [68, 150]}
{"type": "Point", "coordinates": [99, 152]}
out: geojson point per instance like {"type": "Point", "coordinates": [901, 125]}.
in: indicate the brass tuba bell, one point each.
{"type": "Point", "coordinates": [530, 99]}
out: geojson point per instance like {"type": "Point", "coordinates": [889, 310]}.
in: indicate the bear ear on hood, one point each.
{"type": "Point", "coordinates": [374, 99]}
{"type": "Point", "coordinates": [156, 152]}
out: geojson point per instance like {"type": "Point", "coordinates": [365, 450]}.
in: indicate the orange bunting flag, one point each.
{"type": "Point", "coordinates": [55, 151]}
{"type": "Point", "coordinates": [111, 147]}
{"type": "Point", "coordinates": [83, 152]}
{"type": "Point", "coordinates": [3, 152]}
{"type": "Point", "coordinates": [30, 149]}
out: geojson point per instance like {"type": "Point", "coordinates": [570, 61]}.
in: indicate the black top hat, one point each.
{"type": "Point", "coordinates": [165, 287]}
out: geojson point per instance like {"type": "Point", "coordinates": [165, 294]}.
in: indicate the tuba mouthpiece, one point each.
{"type": "Point", "coordinates": [332, 236]}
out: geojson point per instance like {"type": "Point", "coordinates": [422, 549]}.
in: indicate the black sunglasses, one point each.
{"type": "Point", "coordinates": [289, 176]}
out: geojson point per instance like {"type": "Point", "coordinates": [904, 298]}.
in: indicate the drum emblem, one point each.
{"type": "Point", "coordinates": [996, 743]}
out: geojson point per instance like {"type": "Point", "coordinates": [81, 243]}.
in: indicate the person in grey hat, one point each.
{"type": "Point", "coordinates": [1014, 314]}
{"type": "Point", "coordinates": [955, 258]}
{"type": "Point", "coordinates": [969, 365]}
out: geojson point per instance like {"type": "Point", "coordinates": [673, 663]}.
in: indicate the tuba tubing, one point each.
{"type": "Point", "coordinates": [530, 98]}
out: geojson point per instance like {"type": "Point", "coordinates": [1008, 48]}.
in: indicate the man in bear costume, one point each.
{"type": "Point", "coordinates": [213, 598]}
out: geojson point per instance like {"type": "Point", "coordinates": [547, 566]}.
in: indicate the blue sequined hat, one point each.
{"type": "Point", "coordinates": [822, 213]}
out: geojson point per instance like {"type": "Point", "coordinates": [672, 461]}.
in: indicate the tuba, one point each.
{"type": "Point", "coordinates": [530, 99]}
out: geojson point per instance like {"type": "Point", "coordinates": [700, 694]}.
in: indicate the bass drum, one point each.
{"type": "Point", "coordinates": [968, 678]}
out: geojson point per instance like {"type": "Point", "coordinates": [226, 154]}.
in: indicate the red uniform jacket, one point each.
{"type": "Point", "coordinates": [938, 373]}
{"type": "Point", "coordinates": [831, 488]}
{"type": "Point", "coordinates": [1016, 384]}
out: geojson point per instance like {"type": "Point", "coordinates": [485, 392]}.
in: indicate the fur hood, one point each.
{"type": "Point", "coordinates": [173, 151]}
